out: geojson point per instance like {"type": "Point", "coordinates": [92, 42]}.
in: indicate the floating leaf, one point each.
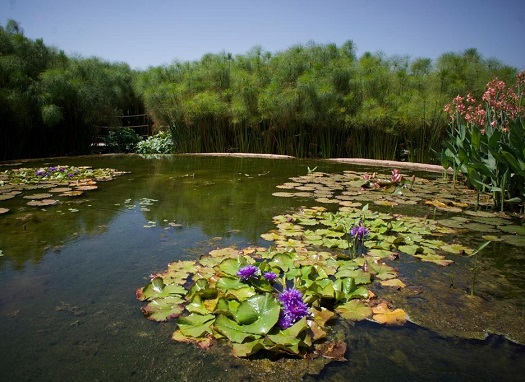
{"type": "Point", "coordinates": [394, 283]}
{"type": "Point", "coordinates": [196, 325]}
{"type": "Point", "coordinates": [258, 313]}
{"type": "Point", "coordinates": [433, 258]}
{"type": "Point", "coordinates": [37, 196]}
{"type": "Point", "coordinates": [233, 331]}
{"type": "Point", "coordinates": [163, 309]}
{"type": "Point", "coordinates": [42, 203]}
{"type": "Point", "coordinates": [3, 210]}
{"type": "Point", "coordinates": [354, 310]}
{"type": "Point", "coordinates": [515, 229]}
{"type": "Point", "coordinates": [384, 315]}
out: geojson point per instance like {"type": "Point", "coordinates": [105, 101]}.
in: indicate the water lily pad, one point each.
{"type": "Point", "coordinates": [515, 229]}
{"type": "Point", "coordinates": [163, 309]}
{"type": "Point", "coordinates": [72, 193]}
{"type": "Point", "coordinates": [481, 227]}
{"type": "Point", "coordinates": [86, 188]}
{"type": "Point", "coordinates": [394, 283]}
{"type": "Point", "coordinates": [7, 196]}
{"type": "Point", "coordinates": [433, 258]}
{"type": "Point", "coordinates": [195, 325]}
{"type": "Point", "coordinates": [60, 189]}
{"type": "Point", "coordinates": [42, 203]}
{"type": "Point", "coordinates": [385, 203]}
{"type": "Point", "coordinates": [516, 240]}
{"type": "Point", "coordinates": [384, 315]}
{"type": "Point", "coordinates": [354, 310]}
{"type": "Point", "coordinates": [284, 194]}
{"type": "Point", "coordinates": [37, 196]}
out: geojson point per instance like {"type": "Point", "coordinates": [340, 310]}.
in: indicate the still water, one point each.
{"type": "Point", "coordinates": [68, 275]}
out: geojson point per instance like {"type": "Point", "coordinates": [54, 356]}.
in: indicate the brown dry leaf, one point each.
{"type": "Point", "coordinates": [383, 315]}
{"type": "Point", "coordinates": [333, 350]}
{"type": "Point", "coordinates": [4, 210]}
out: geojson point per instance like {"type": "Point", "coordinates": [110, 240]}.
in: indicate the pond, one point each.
{"type": "Point", "coordinates": [69, 272]}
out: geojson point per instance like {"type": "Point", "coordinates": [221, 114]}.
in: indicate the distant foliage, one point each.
{"type": "Point", "coordinates": [122, 140]}
{"type": "Point", "coordinates": [313, 100]}
{"type": "Point", "coordinates": [160, 143]}
{"type": "Point", "coordinates": [50, 104]}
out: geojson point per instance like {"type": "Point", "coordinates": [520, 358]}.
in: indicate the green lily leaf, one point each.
{"type": "Point", "coordinates": [156, 288]}
{"type": "Point", "coordinates": [232, 330]}
{"type": "Point", "coordinates": [196, 325]}
{"type": "Point", "coordinates": [259, 313]}
{"type": "Point", "coordinates": [163, 309]}
{"type": "Point", "coordinates": [411, 249]}
{"type": "Point", "coordinates": [201, 288]}
{"type": "Point", "coordinates": [231, 266]}
{"type": "Point", "coordinates": [354, 310]}
{"type": "Point", "coordinates": [289, 339]}
{"type": "Point", "coordinates": [240, 294]}
{"type": "Point", "coordinates": [246, 349]}
{"type": "Point", "coordinates": [282, 261]}
{"type": "Point", "coordinates": [359, 276]}
{"type": "Point", "coordinates": [360, 292]}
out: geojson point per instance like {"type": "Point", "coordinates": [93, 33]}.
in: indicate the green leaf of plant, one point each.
{"type": "Point", "coordinates": [247, 349]}
{"type": "Point", "coordinates": [163, 309]}
{"type": "Point", "coordinates": [260, 313]}
{"type": "Point", "coordinates": [232, 330]}
{"type": "Point", "coordinates": [196, 325]}
{"type": "Point", "coordinates": [354, 310]}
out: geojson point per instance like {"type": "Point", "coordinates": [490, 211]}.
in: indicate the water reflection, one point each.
{"type": "Point", "coordinates": [69, 273]}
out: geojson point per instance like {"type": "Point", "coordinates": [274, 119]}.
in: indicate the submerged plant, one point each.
{"type": "Point", "coordinates": [476, 267]}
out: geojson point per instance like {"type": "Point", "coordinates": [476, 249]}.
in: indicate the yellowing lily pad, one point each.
{"type": "Point", "coordinates": [384, 315]}
{"type": "Point", "coordinates": [394, 283]}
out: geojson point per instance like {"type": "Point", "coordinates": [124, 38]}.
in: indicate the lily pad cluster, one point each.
{"type": "Point", "coordinates": [57, 181]}
{"type": "Point", "coordinates": [351, 189]}
{"type": "Point", "coordinates": [389, 234]}
{"type": "Point", "coordinates": [214, 298]}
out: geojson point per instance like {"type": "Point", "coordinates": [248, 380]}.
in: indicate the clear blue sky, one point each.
{"type": "Point", "coordinates": [147, 33]}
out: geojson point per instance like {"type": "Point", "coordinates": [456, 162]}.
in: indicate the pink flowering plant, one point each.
{"type": "Point", "coordinates": [486, 141]}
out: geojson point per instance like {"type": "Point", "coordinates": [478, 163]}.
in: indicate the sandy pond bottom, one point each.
{"type": "Point", "coordinates": [68, 277]}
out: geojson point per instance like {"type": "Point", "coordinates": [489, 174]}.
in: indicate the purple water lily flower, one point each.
{"type": "Point", "coordinates": [360, 232]}
{"type": "Point", "coordinates": [294, 308]}
{"type": "Point", "coordinates": [248, 272]}
{"type": "Point", "coordinates": [270, 276]}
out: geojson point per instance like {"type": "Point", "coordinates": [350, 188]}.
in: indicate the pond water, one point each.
{"type": "Point", "coordinates": [68, 275]}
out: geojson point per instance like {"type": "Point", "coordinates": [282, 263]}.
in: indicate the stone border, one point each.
{"type": "Point", "coordinates": [391, 163]}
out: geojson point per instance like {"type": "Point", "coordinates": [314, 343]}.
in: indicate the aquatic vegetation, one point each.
{"type": "Point", "coordinates": [60, 180]}
{"type": "Point", "coordinates": [273, 300]}
{"type": "Point", "coordinates": [320, 267]}
{"type": "Point", "coordinates": [486, 142]}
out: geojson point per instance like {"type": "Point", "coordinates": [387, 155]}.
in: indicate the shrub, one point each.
{"type": "Point", "coordinates": [122, 140]}
{"type": "Point", "coordinates": [160, 143]}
